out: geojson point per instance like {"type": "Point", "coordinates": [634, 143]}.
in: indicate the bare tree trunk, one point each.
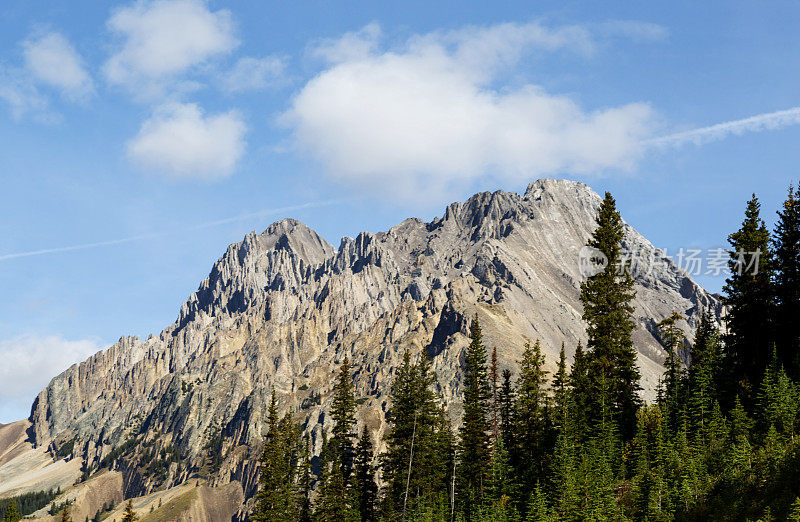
{"type": "Point", "coordinates": [410, 460]}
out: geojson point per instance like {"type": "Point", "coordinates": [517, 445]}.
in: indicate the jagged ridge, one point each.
{"type": "Point", "coordinates": [281, 309]}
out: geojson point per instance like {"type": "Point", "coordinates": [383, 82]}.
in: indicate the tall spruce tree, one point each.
{"type": "Point", "coordinates": [474, 454]}
{"type": "Point", "coordinates": [748, 296]}
{"type": "Point", "coordinates": [277, 498]}
{"type": "Point", "coordinates": [494, 401]}
{"type": "Point", "coordinates": [417, 463]}
{"type": "Point", "coordinates": [606, 296]}
{"type": "Point", "coordinates": [367, 489]}
{"type": "Point", "coordinates": [343, 415]}
{"type": "Point", "coordinates": [786, 248]}
{"type": "Point", "coordinates": [530, 451]}
{"type": "Point", "coordinates": [507, 401]}
{"type": "Point", "coordinates": [337, 497]}
{"type": "Point", "coordinates": [560, 387]}
{"type": "Point", "coordinates": [580, 393]}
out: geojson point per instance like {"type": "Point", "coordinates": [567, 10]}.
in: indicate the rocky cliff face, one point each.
{"type": "Point", "coordinates": [282, 309]}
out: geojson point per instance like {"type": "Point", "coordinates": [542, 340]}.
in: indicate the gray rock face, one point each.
{"type": "Point", "coordinates": [283, 309]}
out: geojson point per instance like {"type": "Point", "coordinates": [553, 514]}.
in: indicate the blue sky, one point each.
{"type": "Point", "coordinates": [162, 131]}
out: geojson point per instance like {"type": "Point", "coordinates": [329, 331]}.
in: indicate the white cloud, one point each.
{"type": "Point", "coordinates": [350, 46]}
{"type": "Point", "coordinates": [163, 39]}
{"type": "Point", "coordinates": [180, 142]}
{"type": "Point", "coordinates": [29, 362]}
{"type": "Point", "coordinates": [768, 121]}
{"type": "Point", "coordinates": [21, 95]}
{"type": "Point", "coordinates": [52, 60]}
{"type": "Point", "coordinates": [251, 74]}
{"type": "Point", "coordinates": [429, 116]}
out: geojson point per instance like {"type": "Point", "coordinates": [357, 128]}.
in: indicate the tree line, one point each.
{"type": "Point", "coordinates": [719, 442]}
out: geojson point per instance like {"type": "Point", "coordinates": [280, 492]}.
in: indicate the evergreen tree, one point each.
{"type": "Point", "coordinates": [794, 513]}
{"type": "Point", "coordinates": [366, 487]}
{"type": "Point", "coordinates": [336, 502]}
{"type": "Point", "coordinates": [65, 514]}
{"type": "Point", "coordinates": [306, 509]}
{"type": "Point", "coordinates": [337, 498]}
{"type": "Point", "coordinates": [278, 495]}
{"type": "Point", "coordinates": [777, 401]}
{"type": "Point", "coordinates": [494, 401]}
{"type": "Point", "coordinates": [507, 404]}
{"type": "Point", "coordinates": [673, 338]}
{"type": "Point", "coordinates": [500, 488]}
{"type": "Point", "coordinates": [606, 297]}
{"type": "Point", "coordinates": [474, 447]}
{"type": "Point", "coordinates": [343, 415]}
{"type": "Point", "coordinates": [741, 452]}
{"type": "Point", "coordinates": [538, 510]}
{"type": "Point", "coordinates": [580, 393]}
{"type": "Point", "coordinates": [417, 464]}
{"type": "Point", "coordinates": [560, 390]}
{"type": "Point", "coordinates": [748, 296]}
{"type": "Point", "coordinates": [564, 482]}
{"type": "Point", "coordinates": [130, 514]}
{"type": "Point", "coordinates": [650, 462]}
{"type": "Point", "coordinates": [786, 247]}
{"type": "Point", "coordinates": [703, 374]}
{"type": "Point", "coordinates": [12, 512]}
{"type": "Point", "coordinates": [530, 451]}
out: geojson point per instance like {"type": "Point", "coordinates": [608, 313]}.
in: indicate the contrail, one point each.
{"type": "Point", "coordinates": [130, 239]}
{"type": "Point", "coordinates": [768, 121]}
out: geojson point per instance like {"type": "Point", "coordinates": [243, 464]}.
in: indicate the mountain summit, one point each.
{"type": "Point", "coordinates": [282, 309]}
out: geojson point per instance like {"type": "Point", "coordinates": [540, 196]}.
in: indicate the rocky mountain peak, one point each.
{"type": "Point", "coordinates": [281, 309]}
{"type": "Point", "coordinates": [282, 256]}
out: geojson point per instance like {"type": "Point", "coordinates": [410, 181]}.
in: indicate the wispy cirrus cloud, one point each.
{"type": "Point", "coordinates": [247, 216]}
{"type": "Point", "coordinates": [252, 74]}
{"type": "Point", "coordinates": [761, 122]}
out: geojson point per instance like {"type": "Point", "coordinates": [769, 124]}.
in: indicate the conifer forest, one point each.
{"type": "Point", "coordinates": [718, 443]}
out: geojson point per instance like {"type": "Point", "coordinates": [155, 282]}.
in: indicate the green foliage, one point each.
{"type": "Point", "coordinates": [794, 514]}
{"type": "Point", "coordinates": [474, 456]}
{"type": "Point", "coordinates": [26, 503]}
{"type": "Point", "coordinates": [673, 338]}
{"type": "Point", "coordinates": [280, 496]}
{"type": "Point", "coordinates": [786, 256]}
{"type": "Point", "coordinates": [531, 436]}
{"type": "Point", "coordinates": [66, 449]}
{"type": "Point", "coordinates": [748, 295]}
{"type": "Point", "coordinates": [418, 462]}
{"type": "Point", "coordinates": [613, 376]}
{"type": "Point", "coordinates": [366, 488]}
{"type": "Point", "coordinates": [338, 499]}
{"type": "Point", "coordinates": [720, 443]}
{"type": "Point", "coordinates": [122, 450]}
{"type": "Point", "coordinates": [129, 515]}
{"type": "Point", "coordinates": [12, 513]}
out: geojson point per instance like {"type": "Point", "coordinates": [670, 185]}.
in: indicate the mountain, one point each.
{"type": "Point", "coordinates": [282, 309]}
